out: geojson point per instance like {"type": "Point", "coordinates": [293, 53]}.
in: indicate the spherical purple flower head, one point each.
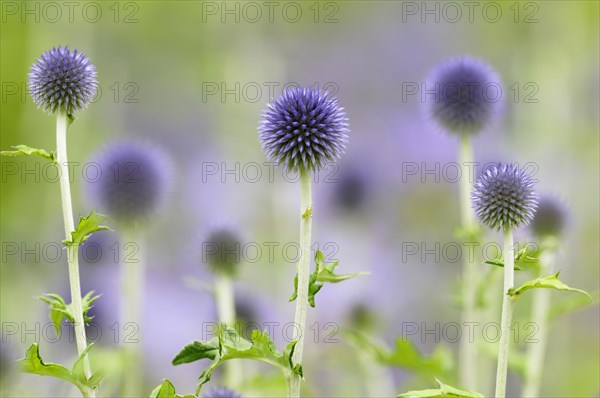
{"type": "Point", "coordinates": [549, 219]}
{"type": "Point", "coordinates": [222, 392]}
{"type": "Point", "coordinates": [62, 79]}
{"type": "Point", "coordinates": [222, 249]}
{"type": "Point", "coordinates": [466, 95]}
{"type": "Point", "coordinates": [504, 195]}
{"type": "Point", "coordinates": [303, 129]}
{"type": "Point", "coordinates": [133, 183]}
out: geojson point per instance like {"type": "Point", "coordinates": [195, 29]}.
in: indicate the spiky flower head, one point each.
{"type": "Point", "coordinates": [466, 95]}
{"type": "Point", "coordinates": [549, 218]}
{"type": "Point", "coordinates": [303, 129]}
{"type": "Point", "coordinates": [222, 249]}
{"type": "Point", "coordinates": [133, 180]}
{"type": "Point", "coordinates": [62, 79]}
{"type": "Point", "coordinates": [222, 392]}
{"type": "Point", "coordinates": [504, 196]}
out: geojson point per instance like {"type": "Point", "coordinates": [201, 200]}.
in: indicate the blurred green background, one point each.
{"type": "Point", "coordinates": [157, 63]}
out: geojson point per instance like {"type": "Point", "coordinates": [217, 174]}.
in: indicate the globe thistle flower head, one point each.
{"type": "Point", "coordinates": [549, 218]}
{"type": "Point", "coordinates": [504, 196]}
{"type": "Point", "coordinates": [303, 129]}
{"type": "Point", "coordinates": [466, 95]}
{"type": "Point", "coordinates": [222, 392]}
{"type": "Point", "coordinates": [62, 79]}
{"type": "Point", "coordinates": [222, 249]}
{"type": "Point", "coordinates": [133, 181]}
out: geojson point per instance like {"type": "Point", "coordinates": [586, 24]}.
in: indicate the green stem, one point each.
{"type": "Point", "coordinates": [536, 353]}
{"type": "Point", "coordinates": [132, 285]}
{"type": "Point", "coordinates": [224, 296]}
{"type": "Point", "coordinates": [467, 352]}
{"type": "Point", "coordinates": [303, 278]}
{"type": "Point", "coordinates": [507, 309]}
{"type": "Point", "coordinates": [72, 250]}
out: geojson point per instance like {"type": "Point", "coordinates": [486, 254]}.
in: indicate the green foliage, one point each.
{"type": "Point", "coordinates": [87, 226]}
{"type": "Point", "coordinates": [33, 363]}
{"type": "Point", "coordinates": [549, 282]}
{"type": "Point", "coordinates": [323, 273]}
{"type": "Point", "coordinates": [228, 344]}
{"type": "Point", "coordinates": [59, 309]}
{"type": "Point", "coordinates": [29, 151]}
{"type": "Point", "coordinates": [444, 390]}
{"type": "Point", "coordinates": [167, 390]}
{"type": "Point", "coordinates": [406, 356]}
{"type": "Point", "coordinates": [525, 258]}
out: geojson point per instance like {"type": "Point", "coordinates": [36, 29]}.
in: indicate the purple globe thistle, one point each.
{"type": "Point", "coordinates": [549, 218]}
{"type": "Point", "coordinates": [504, 195]}
{"type": "Point", "coordinates": [62, 79]}
{"type": "Point", "coordinates": [222, 249]}
{"type": "Point", "coordinates": [466, 95]}
{"type": "Point", "coordinates": [132, 180]}
{"type": "Point", "coordinates": [222, 392]}
{"type": "Point", "coordinates": [303, 129]}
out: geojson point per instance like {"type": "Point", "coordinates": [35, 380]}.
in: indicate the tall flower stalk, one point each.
{"type": "Point", "coordinates": [504, 199]}
{"type": "Point", "coordinates": [302, 130]}
{"type": "Point", "coordinates": [461, 106]}
{"type": "Point", "coordinates": [63, 82]}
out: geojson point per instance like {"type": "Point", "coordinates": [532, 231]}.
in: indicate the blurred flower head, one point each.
{"type": "Point", "coordinates": [303, 129]}
{"type": "Point", "coordinates": [222, 249]}
{"type": "Point", "coordinates": [62, 79]}
{"type": "Point", "coordinates": [133, 181]}
{"type": "Point", "coordinates": [351, 190]}
{"type": "Point", "coordinates": [549, 218]}
{"type": "Point", "coordinates": [466, 95]}
{"type": "Point", "coordinates": [504, 195]}
{"type": "Point", "coordinates": [222, 392]}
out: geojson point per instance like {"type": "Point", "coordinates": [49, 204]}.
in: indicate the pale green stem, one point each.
{"type": "Point", "coordinates": [294, 379]}
{"type": "Point", "coordinates": [72, 250]}
{"type": "Point", "coordinates": [224, 296]}
{"type": "Point", "coordinates": [539, 315]}
{"type": "Point", "coordinates": [507, 309]}
{"type": "Point", "coordinates": [132, 285]}
{"type": "Point", "coordinates": [467, 352]}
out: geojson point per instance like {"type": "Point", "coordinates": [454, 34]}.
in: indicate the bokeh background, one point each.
{"type": "Point", "coordinates": [159, 64]}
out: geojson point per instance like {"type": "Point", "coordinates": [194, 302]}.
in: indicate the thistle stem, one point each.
{"type": "Point", "coordinates": [132, 285]}
{"type": "Point", "coordinates": [467, 352]}
{"type": "Point", "coordinates": [534, 364]}
{"type": "Point", "coordinates": [72, 250]}
{"type": "Point", "coordinates": [224, 296]}
{"type": "Point", "coordinates": [303, 278]}
{"type": "Point", "coordinates": [507, 310]}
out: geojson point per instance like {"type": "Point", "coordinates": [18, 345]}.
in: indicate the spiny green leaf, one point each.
{"type": "Point", "coordinates": [59, 310]}
{"type": "Point", "coordinates": [444, 390]}
{"type": "Point", "coordinates": [323, 273]}
{"type": "Point", "coordinates": [167, 390]}
{"type": "Point", "coordinates": [525, 258]}
{"type": "Point", "coordinates": [33, 363]}
{"type": "Point", "coordinates": [228, 345]}
{"type": "Point", "coordinates": [405, 355]}
{"type": "Point", "coordinates": [550, 282]}
{"type": "Point", "coordinates": [87, 226]}
{"type": "Point", "coordinates": [29, 151]}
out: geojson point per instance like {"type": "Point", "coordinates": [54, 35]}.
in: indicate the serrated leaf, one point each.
{"type": "Point", "coordinates": [87, 226]}
{"type": "Point", "coordinates": [29, 151]}
{"type": "Point", "coordinates": [444, 390]}
{"type": "Point", "coordinates": [33, 363]}
{"type": "Point", "coordinates": [323, 273]}
{"type": "Point", "coordinates": [167, 390]}
{"type": "Point", "coordinates": [59, 310]}
{"type": "Point", "coordinates": [406, 356]}
{"type": "Point", "coordinates": [228, 345]}
{"type": "Point", "coordinates": [524, 259]}
{"type": "Point", "coordinates": [549, 282]}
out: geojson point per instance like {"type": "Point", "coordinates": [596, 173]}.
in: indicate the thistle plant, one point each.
{"type": "Point", "coordinates": [302, 130]}
{"type": "Point", "coordinates": [504, 198]}
{"type": "Point", "coordinates": [62, 82]}
{"type": "Point", "coordinates": [460, 106]}
{"type": "Point", "coordinates": [131, 189]}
